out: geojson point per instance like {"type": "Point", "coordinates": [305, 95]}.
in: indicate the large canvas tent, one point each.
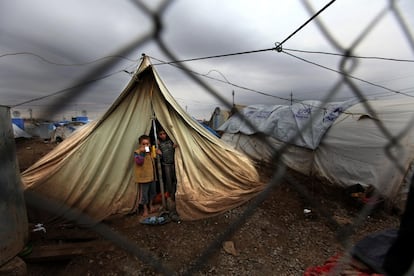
{"type": "Point", "coordinates": [355, 146]}
{"type": "Point", "coordinates": [92, 171]}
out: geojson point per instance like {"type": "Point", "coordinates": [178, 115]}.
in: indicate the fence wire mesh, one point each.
{"type": "Point", "coordinates": [343, 233]}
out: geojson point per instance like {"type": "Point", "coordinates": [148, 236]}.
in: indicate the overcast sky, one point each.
{"type": "Point", "coordinates": [45, 45]}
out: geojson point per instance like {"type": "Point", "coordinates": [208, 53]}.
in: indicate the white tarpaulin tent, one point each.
{"type": "Point", "coordinates": [356, 148]}
{"type": "Point", "coordinates": [92, 170]}
{"type": "Point", "coordinates": [287, 123]}
{"type": "Point", "coordinates": [20, 133]}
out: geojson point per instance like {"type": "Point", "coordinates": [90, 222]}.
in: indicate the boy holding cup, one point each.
{"type": "Point", "coordinates": [145, 174]}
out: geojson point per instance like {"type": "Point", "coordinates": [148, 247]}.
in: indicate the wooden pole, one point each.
{"type": "Point", "coordinates": [13, 216]}
{"type": "Point", "coordinates": [154, 127]}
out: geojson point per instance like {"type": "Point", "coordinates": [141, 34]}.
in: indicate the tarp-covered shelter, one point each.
{"type": "Point", "coordinates": [345, 146]}
{"type": "Point", "coordinates": [92, 170]}
{"type": "Point", "coordinates": [219, 116]}
{"type": "Point", "coordinates": [20, 133]}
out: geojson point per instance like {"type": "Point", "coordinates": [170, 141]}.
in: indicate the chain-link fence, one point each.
{"type": "Point", "coordinates": [391, 8]}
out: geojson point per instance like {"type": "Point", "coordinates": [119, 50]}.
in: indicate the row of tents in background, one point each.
{"type": "Point", "coordinates": [60, 130]}
{"type": "Point", "coordinates": [51, 131]}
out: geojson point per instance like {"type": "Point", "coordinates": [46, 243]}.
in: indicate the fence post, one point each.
{"type": "Point", "coordinates": [13, 216]}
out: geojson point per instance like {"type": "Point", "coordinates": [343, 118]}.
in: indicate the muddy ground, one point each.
{"type": "Point", "coordinates": [278, 238]}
